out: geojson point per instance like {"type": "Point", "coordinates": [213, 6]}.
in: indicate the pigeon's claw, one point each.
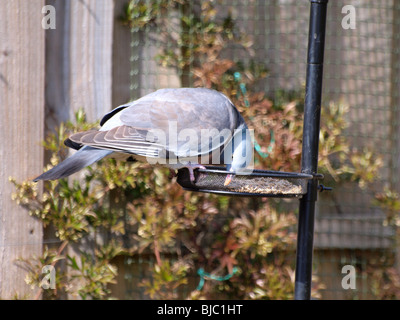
{"type": "Point", "coordinates": [172, 174]}
{"type": "Point", "coordinates": [228, 179]}
{"type": "Point", "coordinates": [191, 168]}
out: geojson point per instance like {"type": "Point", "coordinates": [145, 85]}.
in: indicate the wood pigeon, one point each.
{"type": "Point", "coordinates": [177, 128]}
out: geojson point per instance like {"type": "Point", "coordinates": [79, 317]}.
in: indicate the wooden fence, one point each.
{"type": "Point", "coordinates": [22, 100]}
{"type": "Point", "coordinates": [45, 75]}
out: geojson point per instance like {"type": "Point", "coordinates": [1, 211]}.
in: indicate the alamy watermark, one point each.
{"type": "Point", "coordinates": [349, 280]}
{"type": "Point", "coordinates": [205, 146]}
{"type": "Point", "coordinates": [49, 279]}
{"type": "Point", "coordinates": [49, 20]}
{"type": "Point", "coordinates": [349, 20]}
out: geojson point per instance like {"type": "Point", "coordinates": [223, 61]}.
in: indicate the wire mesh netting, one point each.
{"type": "Point", "coordinates": [360, 73]}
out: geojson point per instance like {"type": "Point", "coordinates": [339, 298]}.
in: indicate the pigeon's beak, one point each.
{"type": "Point", "coordinates": [228, 179]}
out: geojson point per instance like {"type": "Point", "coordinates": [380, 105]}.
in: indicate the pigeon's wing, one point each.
{"type": "Point", "coordinates": [120, 139]}
{"type": "Point", "coordinates": [185, 121]}
{"type": "Point", "coordinates": [112, 113]}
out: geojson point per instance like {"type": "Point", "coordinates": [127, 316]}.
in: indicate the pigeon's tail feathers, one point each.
{"type": "Point", "coordinates": [81, 159]}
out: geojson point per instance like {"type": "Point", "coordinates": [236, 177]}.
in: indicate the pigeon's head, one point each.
{"type": "Point", "coordinates": [242, 153]}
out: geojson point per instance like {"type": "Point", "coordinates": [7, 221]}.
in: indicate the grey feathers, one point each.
{"type": "Point", "coordinates": [184, 123]}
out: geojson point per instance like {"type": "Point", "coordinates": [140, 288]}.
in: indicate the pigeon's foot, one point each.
{"type": "Point", "coordinates": [228, 179]}
{"type": "Point", "coordinates": [172, 174]}
{"type": "Point", "coordinates": [191, 168]}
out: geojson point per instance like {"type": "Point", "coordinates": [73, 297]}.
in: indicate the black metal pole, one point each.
{"type": "Point", "coordinates": [309, 161]}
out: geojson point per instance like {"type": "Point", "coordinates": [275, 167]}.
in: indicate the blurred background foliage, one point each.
{"type": "Point", "coordinates": [131, 209]}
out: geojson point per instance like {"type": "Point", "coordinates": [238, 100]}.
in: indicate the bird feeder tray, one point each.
{"type": "Point", "coordinates": [260, 183]}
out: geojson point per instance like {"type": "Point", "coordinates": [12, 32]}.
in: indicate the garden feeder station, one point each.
{"type": "Point", "coordinates": [303, 185]}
